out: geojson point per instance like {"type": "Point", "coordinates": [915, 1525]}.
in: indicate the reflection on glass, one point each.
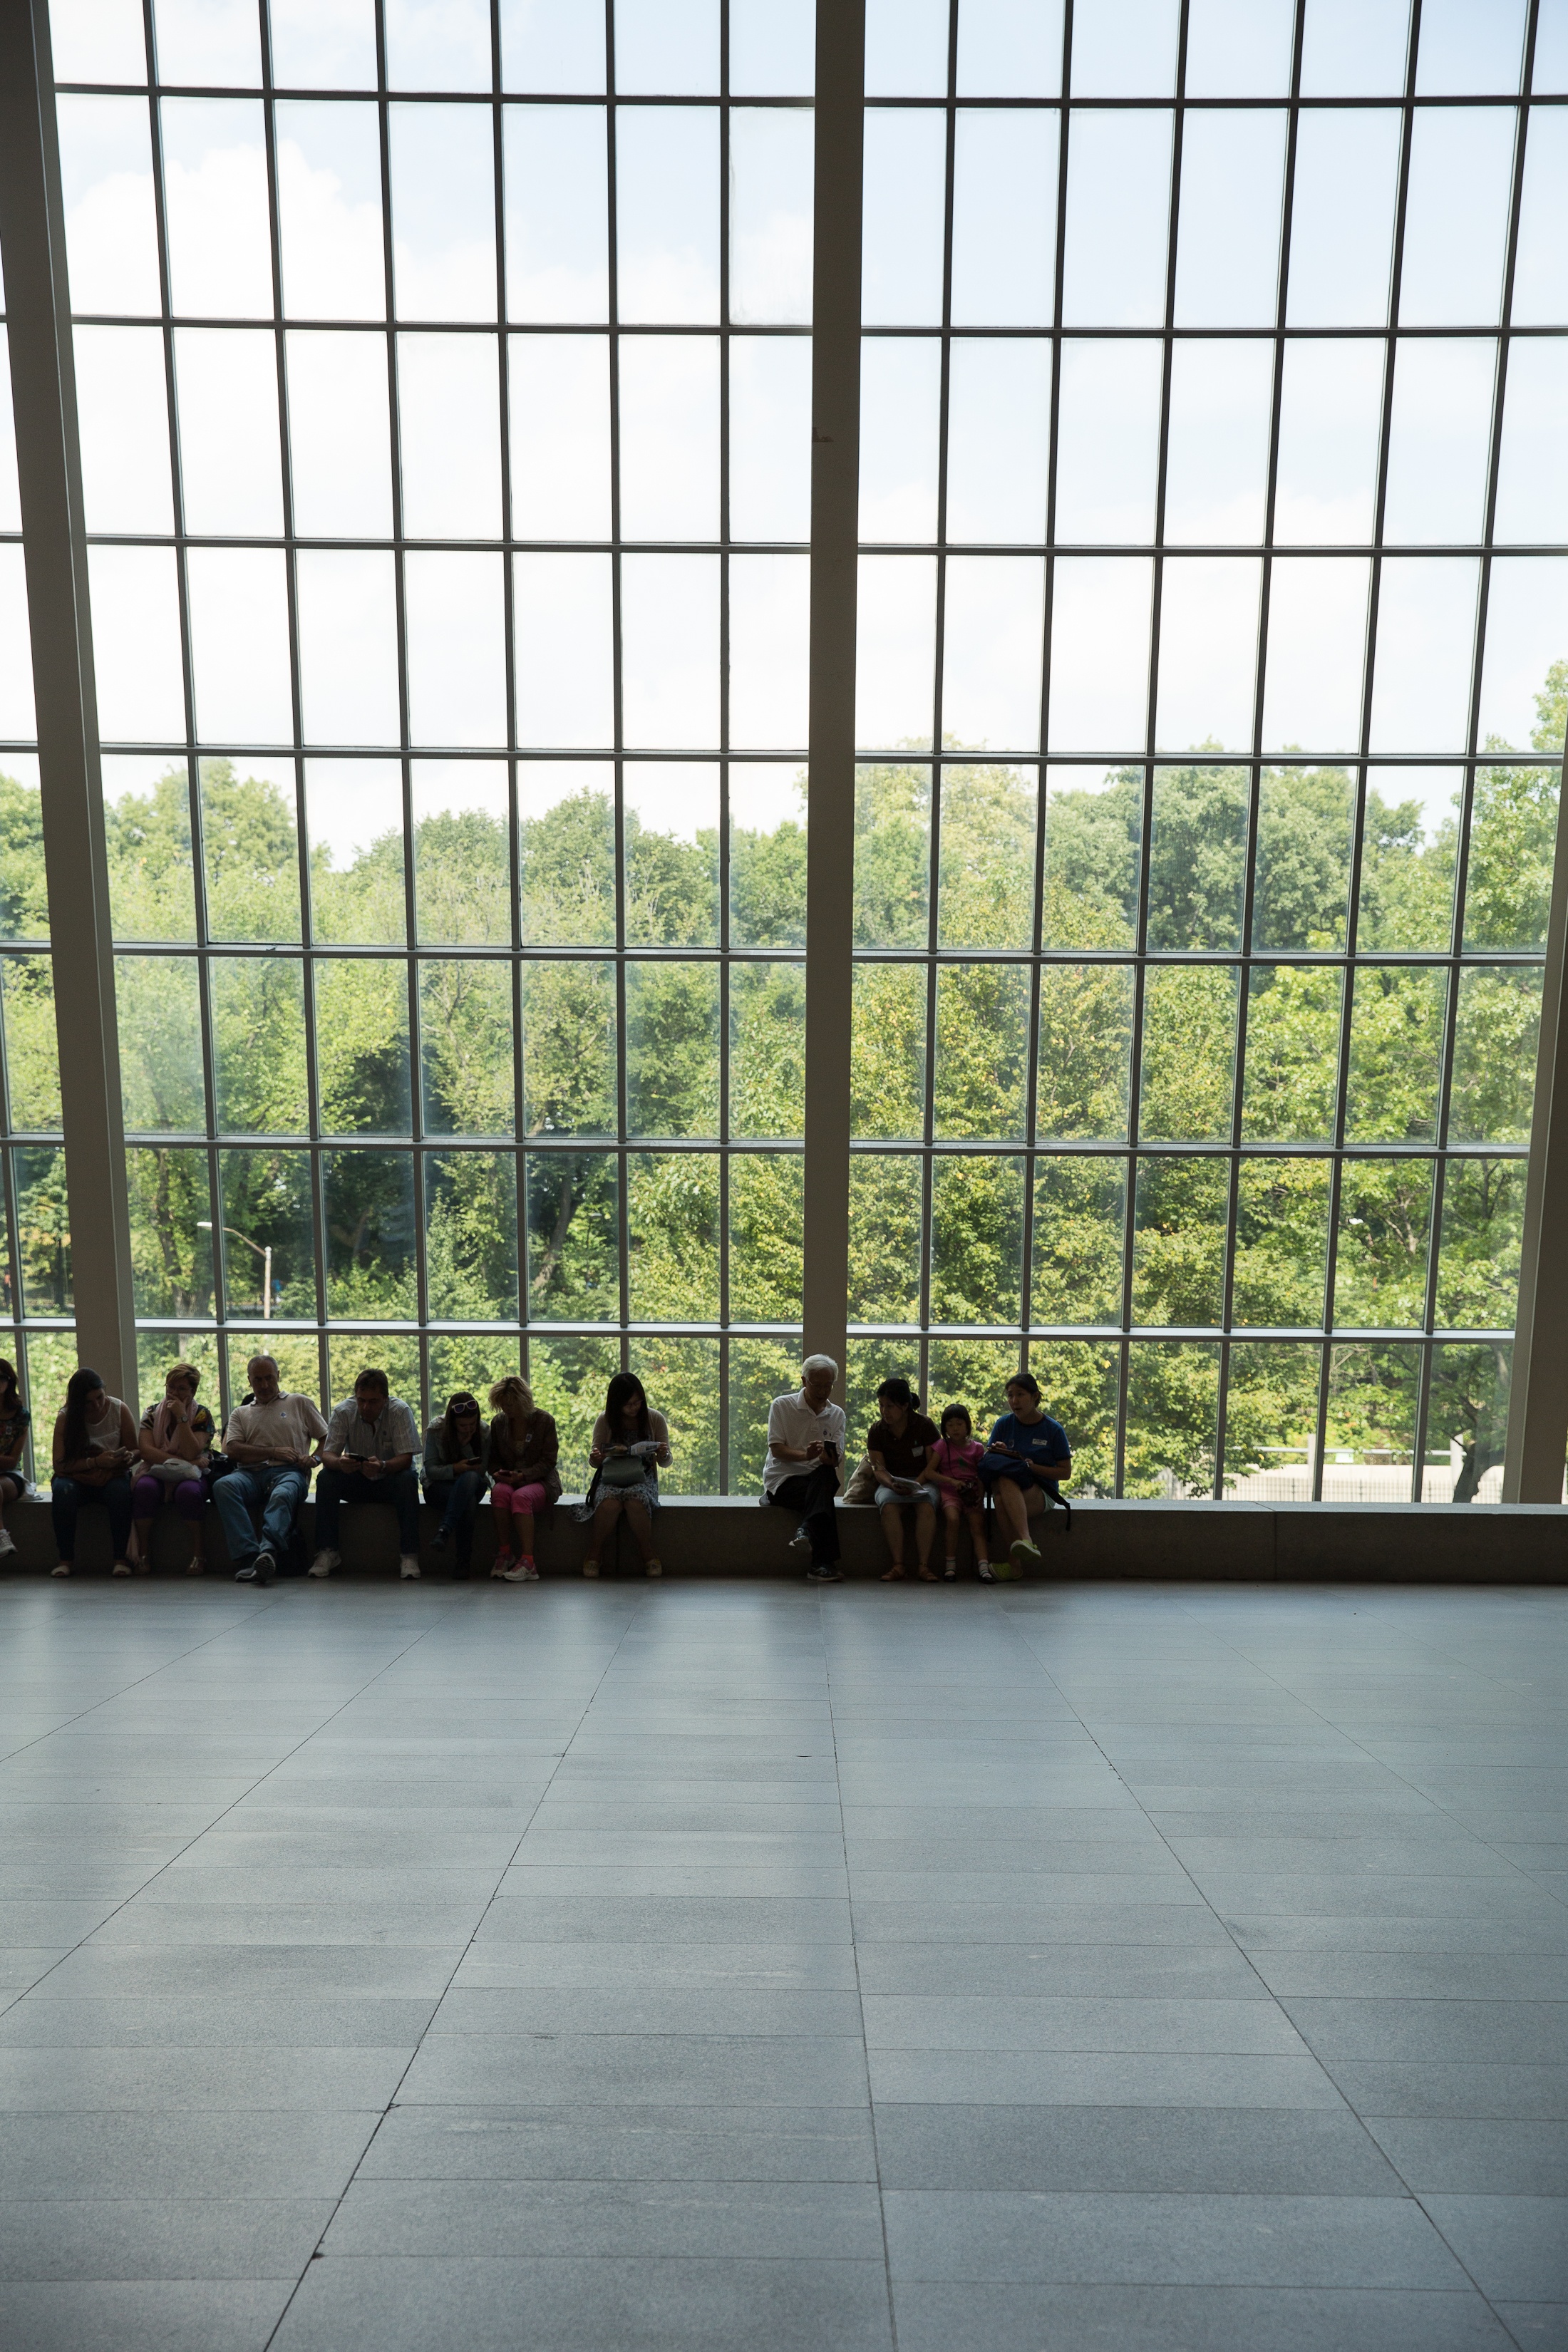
{"type": "Point", "coordinates": [1238, 49]}
{"type": "Point", "coordinates": [266, 1198]}
{"type": "Point", "coordinates": [361, 1046]}
{"type": "Point", "coordinates": [442, 177]}
{"type": "Point", "coordinates": [900, 413]}
{"type": "Point", "coordinates": [1005, 183]}
{"type": "Point", "coordinates": [1355, 48]}
{"type": "Point", "coordinates": [985, 891]}
{"type": "Point", "coordinates": [1478, 1251]}
{"type": "Point", "coordinates": [566, 852]}
{"type": "Point", "coordinates": [1329, 421]}
{"type": "Point", "coordinates": [354, 818]}
{"type": "Point", "coordinates": [1208, 652]}
{"type": "Point", "coordinates": [369, 1204]}
{"type": "Point", "coordinates": [1532, 472]}
{"type": "Point", "coordinates": [1386, 1220]}
{"type": "Point", "coordinates": [1076, 1261]}
{"type": "Point", "coordinates": [767, 1049]}
{"type": "Point", "coordinates": [557, 213]}
{"type": "Point", "coordinates": [769, 216]}
{"type": "Point", "coordinates": [455, 624]}
{"type": "Point", "coordinates": [976, 1240]}
{"type": "Point", "coordinates": [767, 854]}
{"type": "Point", "coordinates": [671, 832]}
{"type": "Point", "coordinates": [1317, 632]}
{"type": "Point", "coordinates": [215, 205]}
{"type": "Point", "coordinates": [670, 437]}
{"type": "Point", "coordinates": [560, 650]}
{"type": "Point", "coordinates": [1425, 630]}
{"type": "Point", "coordinates": [1216, 468]}
{"type": "Point", "coordinates": [999, 403]}
{"type": "Point", "coordinates": [348, 647]}
{"type": "Point", "coordinates": [106, 180]}
{"type": "Point", "coordinates": [1197, 859]}
{"type": "Point", "coordinates": [1281, 1244]}
{"type": "Point", "coordinates": [449, 435]}
{"type": "Point", "coordinates": [1293, 1015]}
{"type": "Point", "coordinates": [1341, 216]}
{"type": "Point", "coordinates": [1497, 1030]}
{"type": "Point", "coordinates": [981, 1078]}
{"type": "Point", "coordinates": [672, 1238]}
{"type": "Point", "coordinates": [574, 1220]}
{"type": "Point", "coordinates": [884, 1238]}
{"type": "Point", "coordinates": [329, 206]}
{"type": "Point", "coordinates": [462, 871]}
{"type": "Point", "coordinates": [560, 422]}
{"type": "Point", "coordinates": [250, 849]}
{"type": "Point", "coordinates": [471, 1241]}
{"type": "Point", "coordinates": [1456, 220]}
{"type": "Point", "coordinates": [1085, 1059]}
{"type": "Point", "coordinates": [770, 436]}
{"type": "Point", "coordinates": [669, 651]}
{"type": "Point", "coordinates": [1540, 265]}
{"type": "Point", "coordinates": [568, 1048]}
{"type": "Point", "coordinates": [1188, 1079]}
{"type": "Point", "coordinates": [895, 651]}
{"type": "Point", "coordinates": [240, 645]}
{"type": "Point", "coordinates": [1508, 889]}
{"type": "Point", "coordinates": [465, 1047]}
{"type": "Point", "coordinates": [905, 180]}
{"type": "Point", "coordinates": [766, 1222]}
{"type": "Point", "coordinates": [1227, 258]}
{"type": "Point", "coordinates": [1008, 50]}
{"type": "Point", "coordinates": [1100, 652]}
{"type": "Point", "coordinates": [672, 1049]}
{"type": "Point", "coordinates": [259, 1048]}
{"type": "Point", "coordinates": [122, 419]}
{"type": "Point", "coordinates": [1119, 201]}
{"type": "Point", "coordinates": [1178, 1239]}
{"type": "Point", "coordinates": [170, 1203]}
{"type": "Point", "coordinates": [159, 1020]}
{"type": "Point", "coordinates": [1124, 49]}
{"type": "Point", "coordinates": [226, 383]}
{"type": "Point", "coordinates": [339, 435]}
{"type": "Point", "coordinates": [991, 651]}
{"type": "Point", "coordinates": [1304, 823]}
{"type": "Point", "coordinates": [1396, 1043]}
{"type": "Point", "coordinates": [667, 200]}
{"type": "Point", "coordinates": [888, 1051]}
{"type": "Point", "coordinates": [1107, 442]}
{"type": "Point", "coordinates": [1409, 838]}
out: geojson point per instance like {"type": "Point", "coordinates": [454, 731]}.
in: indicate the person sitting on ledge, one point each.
{"type": "Point", "coordinates": [94, 1448]}
{"type": "Point", "coordinates": [14, 1420]}
{"type": "Point", "coordinates": [805, 1446]}
{"type": "Point", "coordinates": [524, 1451]}
{"type": "Point", "coordinates": [455, 1466]}
{"type": "Point", "coordinates": [175, 1442]}
{"type": "Point", "coordinates": [900, 1441]}
{"type": "Point", "coordinates": [369, 1458]}
{"type": "Point", "coordinates": [276, 1439]}
{"type": "Point", "coordinates": [1028, 1456]}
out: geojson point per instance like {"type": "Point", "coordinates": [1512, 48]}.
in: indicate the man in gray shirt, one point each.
{"type": "Point", "coordinates": [368, 1457]}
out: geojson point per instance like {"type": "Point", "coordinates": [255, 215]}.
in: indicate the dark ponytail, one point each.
{"type": "Point", "coordinates": [78, 1388]}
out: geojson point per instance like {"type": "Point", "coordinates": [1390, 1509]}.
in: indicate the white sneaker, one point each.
{"type": "Point", "coordinates": [408, 1567]}
{"type": "Point", "coordinates": [523, 1571]}
{"type": "Point", "coordinates": [324, 1563]}
{"type": "Point", "coordinates": [8, 1542]}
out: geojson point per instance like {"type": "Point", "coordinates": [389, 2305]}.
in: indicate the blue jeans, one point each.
{"type": "Point", "coordinates": [458, 1501]}
{"type": "Point", "coordinates": [399, 1491]}
{"type": "Point", "coordinates": [67, 1496]}
{"type": "Point", "coordinates": [278, 1488]}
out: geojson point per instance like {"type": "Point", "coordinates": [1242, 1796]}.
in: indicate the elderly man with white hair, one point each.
{"type": "Point", "coordinates": [805, 1447]}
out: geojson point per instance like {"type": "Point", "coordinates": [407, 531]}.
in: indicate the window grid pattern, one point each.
{"type": "Point", "coordinates": [402, 1201]}
{"type": "Point", "coordinates": [1122, 1248]}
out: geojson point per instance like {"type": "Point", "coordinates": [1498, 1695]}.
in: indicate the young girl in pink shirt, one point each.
{"type": "Point", "coordinates": [954, 1468]}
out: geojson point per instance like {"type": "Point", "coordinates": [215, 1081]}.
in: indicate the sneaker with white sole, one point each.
{"type": "Point", "coordinates": [8, 1542]}
{"type": "Point", "coordinates": [1024, 1554]}
{"type": "Point", "coordinates": [408, 1567]}
{"type": "Point", "coordinates": [984, 1572]}
{"type": "Point", "coordinates": [266, 1565]}
{"type": "Point", "coordinates": [324, 1563]}
{"type": "Point", "coordinates": [524, 1572]}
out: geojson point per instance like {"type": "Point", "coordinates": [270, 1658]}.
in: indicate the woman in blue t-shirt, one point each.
{"type": "Point", "coordinates": [1026, 1457]}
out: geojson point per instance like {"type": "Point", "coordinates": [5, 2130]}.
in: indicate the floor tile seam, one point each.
{"type": "Point", "coordinates": [1422, 2198]}
{"type": "Point", "coordinates": [186, 1845]}
{"type": "Point", "coordinates": [634, 1612]}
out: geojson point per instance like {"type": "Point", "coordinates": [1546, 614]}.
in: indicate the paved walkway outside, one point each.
{"type": "Point", "coordinates": [736, 1967]}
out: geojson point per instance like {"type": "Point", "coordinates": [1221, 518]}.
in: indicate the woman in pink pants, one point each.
{"type": "Point", "coordinates": [523, 1449]}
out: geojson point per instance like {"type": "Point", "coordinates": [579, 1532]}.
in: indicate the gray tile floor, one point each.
{"type": "Point", "coordinates": [582, 1968]}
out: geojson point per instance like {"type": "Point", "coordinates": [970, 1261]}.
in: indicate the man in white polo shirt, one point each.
{"type": "Point", "coordinates": [275, 1439]}
{"type": "Point", "coordinates": [805, 1447]}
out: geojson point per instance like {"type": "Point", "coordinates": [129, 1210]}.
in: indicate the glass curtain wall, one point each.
{"type": "Point", "coordinates": [444, 390]}
{"type": "Point", "coordinates": [36, 1333]}
{"type": "Point", "coordinates": [1212, 663]}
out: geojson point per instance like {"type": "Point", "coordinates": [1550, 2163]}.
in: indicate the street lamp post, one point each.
{"type": "Point", "coordinates": [263, 1251]}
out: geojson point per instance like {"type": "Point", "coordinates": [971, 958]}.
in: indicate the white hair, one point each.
{"type": "Point", "coordinates": [820, 1364]}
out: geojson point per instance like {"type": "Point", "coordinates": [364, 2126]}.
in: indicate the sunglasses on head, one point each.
{"type": "Point", "coordinates": [463, 1404]}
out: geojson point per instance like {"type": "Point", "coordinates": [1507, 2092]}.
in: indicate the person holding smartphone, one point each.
{"type": "Point", "coordinates": [1022, 1466]}
{"type": "Point", "coordinates": [805, 1447]}
{"type": "Point", "coordinates": [899, 1443]}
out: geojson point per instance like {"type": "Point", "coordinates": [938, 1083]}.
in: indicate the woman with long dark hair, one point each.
{"type": "Point", "coordinates": [629, 1446]}
{"type": "Point", "coordinates": [456, 1465]}
{"type": "Point", "coordinates": [94, 1448]}
{"type": "Point", "coordinates": [14, 1420]}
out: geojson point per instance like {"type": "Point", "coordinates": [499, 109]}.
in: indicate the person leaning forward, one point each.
{"type": "Point", "coordinates": [369, 1458]}
{"type": "Point", "coordinates": [1022, 1466]}
{"type": "Point", "coordinates": [276, 1439]}
{"type": "Point", "coordinates": [805, 1447]}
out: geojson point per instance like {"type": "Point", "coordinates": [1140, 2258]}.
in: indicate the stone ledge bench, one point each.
{"type": "Point", "coordinates": [730, 1534]}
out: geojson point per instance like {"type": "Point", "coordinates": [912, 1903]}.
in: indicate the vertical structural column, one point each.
{"type": "Point", "coordinates": [1538, 1391]}
{"type": "Point", "coordinates": [834, 531]}
{"type": "Point", "coordinates": [43, 384]}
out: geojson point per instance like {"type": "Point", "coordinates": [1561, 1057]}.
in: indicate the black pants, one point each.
{"type": "Point", "coordinates": [810, 1495]}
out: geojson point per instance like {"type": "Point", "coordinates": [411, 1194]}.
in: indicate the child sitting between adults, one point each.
{"type": "Point", "coordinates": [956, 1461]}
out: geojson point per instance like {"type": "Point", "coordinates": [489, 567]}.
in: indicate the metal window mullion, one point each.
{"type": "Point", "coordinates": [723, 1117]}
{"type": "Point", "coordinates": [622, 1156]}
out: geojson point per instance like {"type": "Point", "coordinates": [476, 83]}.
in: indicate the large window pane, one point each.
{"type": "Point", "coordinates": [1355, 48]}
{"type": "Point", "coordinates": [462, 868]}
{"type": "Point", "coordinates": [1508, 886]}
{"type": "Point", "coordinates": [1208, 652]}
{"type": "Point", "coordinates": [982, 1050]}
{"type": "Point", "coordinates": [1119, 201]}
{"type": "Point", "coordinates": [455, 619]}
{"type": "Point", "coordinates": [1541, 269]}
{"type": "Point", "coordinates": [1478, 1251]}
{"type": "Point", "coordinates": [215, 199]}
{"type": "Point", "coordinates": [1197, 857]}
{"type": "Point", "coordinates": [1533, 471]}
{"type": "Point", "coordinates": [895, 651]}
{"type": "Point", "coordinates": [991, 651]}
{"type": "Point", "coordinates": [251, 850]}
{"type": "Point", "coordinates": [170, 1202]}
{"type": "Point", "coordinates": [1218, 464]}
{"type": "Point", "coordinates": [1496, 1031]}
{"type": "Point", "coordinates": [666, 199]}
{"type": "Point", "coordinates": [769, 216]}
{"type": "Point", "coordinates": [767, 1218]}
{"type": "Point", "coordinates": [368, 1201]}
{"type": "Point", "coordinates": [568, 1049]}
{"type": "Point", "coordinates": [470, 1238]}
{"type": "Point", "coordinates": [1188, 1078]}
{"type": "Point", "coordinates": [1124, 49]}
{"type": "Point", "coordinates": [106, 180]}
{"type": "Point", "coordinates": [976, 1240]}
{"type": "Point", "coordinates": [157, 1005]}
{"type": "Point", "coordinates": [1108, 441]}
{"type": "Point", "coordinates": [670, 819]}
{"type": "Point", "coordinates": [123, 420]}
{"type": "Point", "coordinates": [269, 1234]}
{"type": "Point", "coordinates": [770, 649]}
{"type": "Point", "coordinates": [1178, 1239]}
{"type": "Point", "coordinates": [1100, 654]}
{"type": "Point", "coordinates": [1004, 217]}
{"type": "Point", "coordinates": [574, 1220]}
{"type": "Point", "coordinates": [670, 437]}
{"type": "Point", "coordinates": [672, 1235]}
{"type": "Point", "coordinates": [1085, 1047]}
{"type": "Point", "coordinates": [566, 852]}
{"type": "Point", "coordinates": [1396, 1041]}
{"type": "Point", "coordinates": [1173, 1420]}
{"type": "Point", "coordinates": [1007, 51]}
{"type": "Point", "coordinates": [1238, 49]}
{"type": "Point", "coordinates": [672, 1049]}
{"type": "Point", "coordinates": [259, 1048]}
{"type": "Point", "coordinates": [449, 427]}
{"type": "Point", "coordinates": [1293, 1018]}
{"type": "Point", "coordinates": [560, 420]}
{"type": "Point", "coordinates": [888, 1051]}
{"type": "Point", "coordinates": [557, 212]}
{"type": "Point", "coordinates": [1440, 438]}
{"type": "Point", "coordinates": [362, 1047]}
{"type": "Point", "coordinates": [328, 209]}
{"type": "Point", "coordinates": [884, 1239]}
{"type": "Point", "coordinates": [560, 647]}
{"type": "Point", "coordinates": [767, 1049]}
{"type": "Point", "coordinates": [669, 651]}
{"type": "Point", "coordinates": [136, 646]}
{"type": "Point", "coordinates": [1341, 217]}
{"type": "Point", "coordinates": [1456, 221]}
{"type": "Point", "coordinates": [227, 382]}
{"type": "Point", "coordinates": [465, 1044]}
{"type": "Point", "coordinates": [767, 856]}
{"type": "Point", "coordinates": [1527, 630]}
{"type": "Point", "coordinates": [905, 178]}
{"type": "Point", "coordinates": [998, 412]}
{"type": "Point", "coordinates": [1330, 420]}
{"type": "Point", "coordinates": [348, 647]}
{"type": "Point", "coordinates": [1386, 1221]}
{"type": "Point", "coordinates": [900, 421]}
{"type": "Point", "coordinates": [1304, 823]}
{"type": "Point", "coordinates": [1317, 634]}
{"type": "Point", "coordinates": [339, 435]}
{"type": "Point", "coordinates": [1281, 1244]}
{"type": "Point", "coordinates": [1426, 635]}
{"type": "Point", "coordinates": [986, 893]}
{"type": "Point", "coordinates": [770, 436]}
{"type": "Point", "coordinates": [240, 645]}
{"type": "Point", "coordinates": [1227, 258]}
{"type": "Point", "coordinates": [1080, 1233]}
{"type": "Point", "coordinates": [443, 212]}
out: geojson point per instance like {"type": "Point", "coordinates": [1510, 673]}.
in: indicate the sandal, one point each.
{"type": "Point", "coordinates": [927, 1575]}
{"type": "Point", "coordinates": [892, 1575]}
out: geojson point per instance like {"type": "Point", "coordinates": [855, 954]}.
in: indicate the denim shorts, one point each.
{"type": "Point", "coordinates": [891, 1495]}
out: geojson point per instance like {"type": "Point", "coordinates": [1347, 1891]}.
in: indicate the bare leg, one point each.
{"type": "Point", "coordinates": [601, 1528]}
{"type": "Point", "coordinates": [976, 1519]}
{"type": "Point", "coordinates": [641, 1526]}
{"type": "Point", "coordinates": [893, 1529]}
{"type": "Point", "coordinates": [1011, 1509]}
{"type": "Point", "coordinates": [925, 1535]}
{"type": "Point", "coordinates": [951, 1513]}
